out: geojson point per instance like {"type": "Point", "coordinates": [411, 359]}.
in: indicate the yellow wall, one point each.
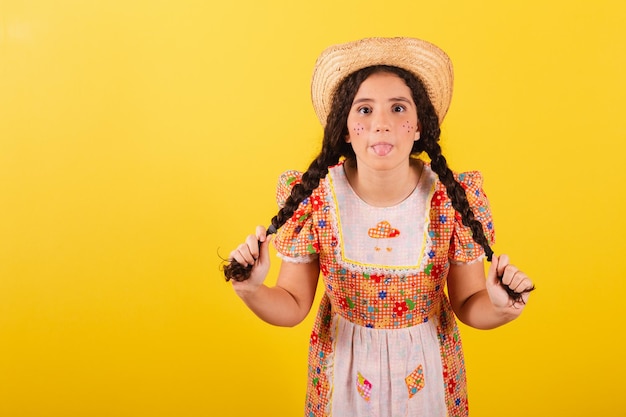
{"type": "Point", "coordinates": [139, 140]}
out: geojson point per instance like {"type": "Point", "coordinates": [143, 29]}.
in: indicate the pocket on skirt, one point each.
{"type": "Point", "coordinates": [415, 381]}
{"type": "Point", "coordinates": [364, 387]}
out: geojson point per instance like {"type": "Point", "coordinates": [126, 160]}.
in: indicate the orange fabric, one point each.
{"type": "Point", "coordinates": [384, 301]}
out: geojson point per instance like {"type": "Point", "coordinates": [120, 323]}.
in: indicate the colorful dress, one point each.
{"type": "Point", "coordinates": [385, 341]}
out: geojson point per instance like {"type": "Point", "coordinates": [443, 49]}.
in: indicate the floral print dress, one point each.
{"type": "Point", "coordinates": [385, 341]}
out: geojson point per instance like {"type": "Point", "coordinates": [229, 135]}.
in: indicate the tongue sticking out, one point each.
{"type": "Point", "coordinates": [382, 149]}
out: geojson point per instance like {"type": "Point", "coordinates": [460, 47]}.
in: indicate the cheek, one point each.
{"type": "Point", "coordinates": [357, 129]}
{"type": "Point", "coordinates": [409, 126]}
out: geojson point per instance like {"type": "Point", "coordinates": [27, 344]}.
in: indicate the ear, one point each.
{"type": "Point", "coordinates": [347, 138]}
{"type": "Point", "coordinates": [419, 129]}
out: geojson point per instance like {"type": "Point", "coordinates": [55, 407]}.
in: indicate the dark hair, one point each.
{"type": "Point", "coordinates": [334, 147]}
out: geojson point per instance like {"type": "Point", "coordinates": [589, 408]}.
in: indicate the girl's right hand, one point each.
{"type": "Point", "coordinates": [252, 253]}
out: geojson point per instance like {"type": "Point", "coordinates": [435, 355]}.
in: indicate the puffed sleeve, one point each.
{"type": "Point", "coordinates": [463, 248]}
{"type": "Point", "coordinates": [297, 240]}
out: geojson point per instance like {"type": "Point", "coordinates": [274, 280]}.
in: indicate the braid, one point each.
{"type": "Point", "coordinates": [309, 182]}
{"type": "Point", "coordinates": [318, 169]}
{"type": "Point", "coordinates": [458, 197]}
{"type": "Point", "coordinates": [430, 133]}
{"type": "Point", "coordinates": [334, 147]}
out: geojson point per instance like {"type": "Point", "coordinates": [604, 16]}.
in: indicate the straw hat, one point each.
{"type": "Point", "coordinates": [425, 60]}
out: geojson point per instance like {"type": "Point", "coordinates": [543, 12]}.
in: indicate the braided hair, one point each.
{"type": "Point", "coordinates": [334, 147]}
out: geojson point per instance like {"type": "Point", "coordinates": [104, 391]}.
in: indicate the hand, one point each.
{"type": "Point", "coordinates": [252, 253]}
{"type": "Point", "coordinates": [513, 278]}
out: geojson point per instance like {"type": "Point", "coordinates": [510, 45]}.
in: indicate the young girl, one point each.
{"type": "Point", "coordinates": [388, 232]}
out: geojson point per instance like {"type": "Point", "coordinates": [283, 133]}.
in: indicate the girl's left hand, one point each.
{"type": "Point", "coordinates": [512, 278]}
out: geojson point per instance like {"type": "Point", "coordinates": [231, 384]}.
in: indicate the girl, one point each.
{"type": "Point", "coordinates": [388, 232]}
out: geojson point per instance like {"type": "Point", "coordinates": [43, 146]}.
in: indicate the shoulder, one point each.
{"type": "Point", "coordinates": [286, 181]}
{"type": "Point", "coordinates": [469, 180]}
{"type": "Point", "coordinates": [290, 178]}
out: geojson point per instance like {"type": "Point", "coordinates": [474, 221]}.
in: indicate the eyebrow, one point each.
{"type": "Point", "coordinates": [365, 99]}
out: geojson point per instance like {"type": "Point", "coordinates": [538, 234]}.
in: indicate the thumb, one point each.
{"type": "Point", "coordinates": [492, 274]}
{"type": "Point", "coordinates": [264, 255]}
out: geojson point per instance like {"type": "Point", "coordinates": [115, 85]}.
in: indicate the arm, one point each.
{"type": "Point", "coordinates": [484, 304]}
{"type": "Point", "coordinates": [290, 300]}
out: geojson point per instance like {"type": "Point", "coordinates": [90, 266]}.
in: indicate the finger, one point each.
{"type": "Point", "coordinates": [253, 246]}
{"type": "Point", "coordinates": [261, 233]}
{"type": "Point", "coordinates": [524, 285]}
{"type": "Point", "coordinates": [247, 252]}
{"type": "Point", "coordinates": [503, 261]}
{"type": "Point", "coordinates": [237, 257]}
{"type": "Point", "coordinates": [243, 255]}
{"type": "Point", "coordinates": [508, 275]}
{"type": "Point", "coordinates": [525, 296]}
{"type": "Point", "coordinates": [517, 280]}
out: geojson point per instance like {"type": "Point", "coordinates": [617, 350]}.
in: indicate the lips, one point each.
{"type": "Point", "coordinates": [382, 149]}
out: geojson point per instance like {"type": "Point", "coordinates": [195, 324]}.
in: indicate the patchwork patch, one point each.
{"type": "Point", "coordinates": [415, 381]}
{"type": "Point", "coordinates": [364, 387]}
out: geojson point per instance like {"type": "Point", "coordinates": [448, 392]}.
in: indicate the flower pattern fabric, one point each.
{"type": "Point", "coordinates": [362, 294]}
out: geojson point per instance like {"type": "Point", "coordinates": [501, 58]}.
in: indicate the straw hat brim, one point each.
{"type": "Point", "coordinates": [425, 60]}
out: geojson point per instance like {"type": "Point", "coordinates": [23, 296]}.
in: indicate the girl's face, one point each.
{"type": "Point", "coordinates": [382, 123]}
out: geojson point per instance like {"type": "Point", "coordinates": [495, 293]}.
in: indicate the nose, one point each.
{"type": "Point", "coordinates": [381, 122]}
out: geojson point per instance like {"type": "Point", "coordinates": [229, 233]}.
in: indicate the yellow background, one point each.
{"type": "Point", "coordinates": [140, 140]}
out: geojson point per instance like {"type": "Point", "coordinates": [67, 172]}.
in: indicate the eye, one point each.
{"type": "Point", "coordinates": [399, 108]}
{"type": "Point", "coordinates": [364, 110]}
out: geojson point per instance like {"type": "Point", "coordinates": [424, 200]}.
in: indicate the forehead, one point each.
{"type": "Point", "coordinates": [382, 84]}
